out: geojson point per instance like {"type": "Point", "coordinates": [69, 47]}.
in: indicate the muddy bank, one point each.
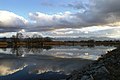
{"type": "Point", "coordinates": [107, 67]}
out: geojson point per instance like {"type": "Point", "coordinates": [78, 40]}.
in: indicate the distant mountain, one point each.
{"type": "Point", "coordinates": [83, 38]}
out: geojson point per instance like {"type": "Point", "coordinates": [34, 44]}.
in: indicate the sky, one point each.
{"type": "Point", "coordinates": [61, 18]}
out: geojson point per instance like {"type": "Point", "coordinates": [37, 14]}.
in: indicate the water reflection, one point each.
{"type": "Point", "coordinates": [40, 63]}
{"type": "Point", "coordinates": [6, 70]}
{"type": "Point", "coordinates": [38, 66]}
{"type": "Point", "coordinates": [93, 53]}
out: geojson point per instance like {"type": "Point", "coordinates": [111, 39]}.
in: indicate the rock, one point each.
{"type": "Point", "coordinates": [105, 68]}
{"type": "Point", "coordinates": [86, 78]}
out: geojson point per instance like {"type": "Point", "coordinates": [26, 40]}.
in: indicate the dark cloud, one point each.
{"type": "Point", "coordinates": [48, 4]}
{"type": "Point", "coordinates": [76, 5]}
{"type": "Point", "coordinates": [79, 4]}
{"type": "Point", "coordinates": [38, 29]}
{"type": "Point", "coordinates": [98, 12]}
{"type": "Point", "coordinates": [90, 13]}
{"type": "Point", "coordinates": [9, 29]}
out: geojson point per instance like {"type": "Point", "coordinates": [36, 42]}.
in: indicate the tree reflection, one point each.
{"type": "Point", "coordinates": [21, 51]}
{"type": "Point", "coordinates": [4, 49]}
{"type": "Point", "coordinates": [18, 51]}
{"type": "Point", "coordinates": [36, 50]}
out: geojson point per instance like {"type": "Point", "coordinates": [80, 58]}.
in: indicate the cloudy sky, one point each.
{"type": "Point", "coordinates": [61, 18]}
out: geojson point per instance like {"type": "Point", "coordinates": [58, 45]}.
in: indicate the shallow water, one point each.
{"type": "Point", "coordinates": [52, 63]}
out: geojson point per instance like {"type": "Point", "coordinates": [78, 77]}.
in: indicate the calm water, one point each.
{"type": "Point", "coordinates": [53, 63]}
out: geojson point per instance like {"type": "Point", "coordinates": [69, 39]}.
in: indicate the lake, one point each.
{"type": "Point", "coordinates": [49, 63]}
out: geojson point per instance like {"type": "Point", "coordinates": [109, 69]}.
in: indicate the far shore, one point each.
{"type": "Point", "coordinates": [91, 43]}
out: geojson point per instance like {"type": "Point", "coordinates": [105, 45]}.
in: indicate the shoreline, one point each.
{"type": "Point", "coordinates": [107, 67]}
{"type": "Point", "coordinates": [55, 43]}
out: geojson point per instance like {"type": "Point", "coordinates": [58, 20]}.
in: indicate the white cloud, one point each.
{"type": "Point", "coordinates": [11, 22]}
{"type": "Point", "coordinates": [66, 19]}
{"type": "Point", "coordinates": [112, 32]}
{"type": "Point", "coordinates": [65, 24]}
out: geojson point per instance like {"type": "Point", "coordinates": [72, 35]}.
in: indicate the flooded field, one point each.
{"type": "Point", "coordinates": [52, 63]}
